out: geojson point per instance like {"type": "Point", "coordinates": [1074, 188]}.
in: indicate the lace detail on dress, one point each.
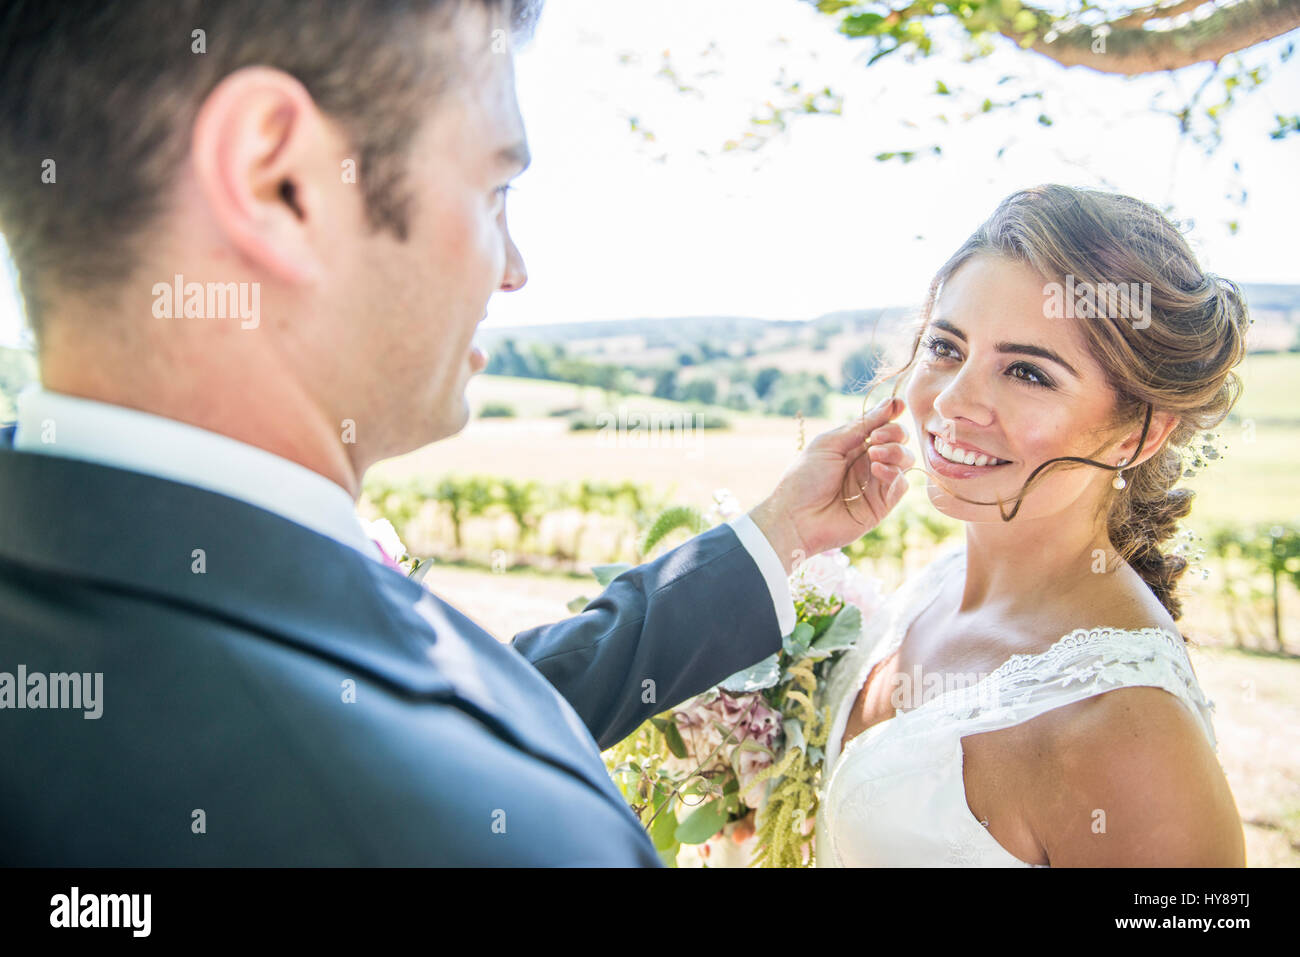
{"type": "Point", "coordinates": [964, 851]}
{"type": "Point", "coordinates": [896, 795]}
{"type": "Point", "coordinates": [1084, 663]}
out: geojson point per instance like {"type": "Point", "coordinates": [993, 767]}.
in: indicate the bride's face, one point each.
{"type": "Point", "coordinates": [1003, 385]}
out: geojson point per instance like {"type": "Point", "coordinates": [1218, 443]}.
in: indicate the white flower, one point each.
{"type": "Point", "coordinates": [382, 531]}
{"type": "Point", "coordinates": [857, 589]}
{"type": "Point", "coordinates": [823, 573]}
{"type": "Point", "coordinates": [725, 507]}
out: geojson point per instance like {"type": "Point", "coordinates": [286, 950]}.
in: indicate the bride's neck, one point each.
{"type": "Point", "coordinates": [1024, 562]}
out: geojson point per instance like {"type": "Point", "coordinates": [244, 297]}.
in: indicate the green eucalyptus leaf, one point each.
{"type": "Point", "coordinates": [756, 677]}
{"type": "Point", "coordinates": [702, 823]}
{"type": "Point", "coordinates": [797, 642]}
{"type": "Point", "coordinates": [843, 632]}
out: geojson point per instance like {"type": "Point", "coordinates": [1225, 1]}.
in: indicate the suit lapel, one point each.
{"type": "Point", "coordinates": [231, 560]}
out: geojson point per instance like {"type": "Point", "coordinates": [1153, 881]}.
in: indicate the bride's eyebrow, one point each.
{"type": "Point", "coordinates": [1028, 350]}
{"type": "Point", "coordinates": [1012, 347]}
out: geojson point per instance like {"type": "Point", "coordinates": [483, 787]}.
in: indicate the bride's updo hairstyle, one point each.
{"type": "Point", "coordinates": [1181, 363]}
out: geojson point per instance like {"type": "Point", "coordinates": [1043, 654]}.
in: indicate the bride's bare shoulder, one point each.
{"type": "Point", "coordinates": [1135, 783]}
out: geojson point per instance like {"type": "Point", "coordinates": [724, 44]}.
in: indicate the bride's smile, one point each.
{"type": "Point", "coordinates": [1056, 442]}
{"type": "Point", "coordinates": [1001, 386]}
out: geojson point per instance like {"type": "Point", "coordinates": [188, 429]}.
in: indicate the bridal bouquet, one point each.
{"type": "Point", "coordinates": [733, 773]}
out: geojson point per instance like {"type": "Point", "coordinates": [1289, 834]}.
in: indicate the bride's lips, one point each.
{"type": "Point", "coordinates": [952, 470]}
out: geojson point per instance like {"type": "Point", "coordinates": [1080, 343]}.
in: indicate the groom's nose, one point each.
{"type": "Point", "coordinates": [515, 275]}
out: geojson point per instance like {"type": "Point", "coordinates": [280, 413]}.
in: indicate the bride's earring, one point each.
{"type": "Point", "coordinates": [1119, 482]}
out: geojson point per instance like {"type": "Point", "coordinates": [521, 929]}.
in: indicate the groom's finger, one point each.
{"type": "Point", "coordinates": [889, 432]}
{"type": "Point", "coordinates": [889, 454]}
{"type": "Point", "coordinates": [893, 483]}
{"type": "Point", "coordinates": [847, 437]}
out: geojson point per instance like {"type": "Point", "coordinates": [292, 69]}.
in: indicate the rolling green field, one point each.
{"type": "Point", "coordinates": [1257, 480]}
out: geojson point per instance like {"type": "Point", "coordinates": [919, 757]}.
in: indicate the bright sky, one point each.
{"type": "Point", "coordinates": [612, 225]}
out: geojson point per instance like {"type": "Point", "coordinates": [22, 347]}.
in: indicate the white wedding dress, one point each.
{"type": "Point", "coordinates": [896, 796]}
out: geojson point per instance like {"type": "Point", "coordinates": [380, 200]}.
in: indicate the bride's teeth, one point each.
{"type": "Point", "coordinates": [963, 458]}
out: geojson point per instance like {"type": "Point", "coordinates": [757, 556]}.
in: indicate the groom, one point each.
{"type": "Point", "coordinates": [255, 239]}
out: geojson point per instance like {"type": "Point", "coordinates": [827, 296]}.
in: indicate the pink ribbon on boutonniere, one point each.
{"type": "Point", "coordinates": [388, 559]}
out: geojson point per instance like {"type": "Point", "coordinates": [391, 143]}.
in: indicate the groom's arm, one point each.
{"type": "Point", "coordinates": [667, 630]}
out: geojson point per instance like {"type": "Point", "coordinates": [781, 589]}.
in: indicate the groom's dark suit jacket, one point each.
{"type": "Point", "coordinates": [293, 702]}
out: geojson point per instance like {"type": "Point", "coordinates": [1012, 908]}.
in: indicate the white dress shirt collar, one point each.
{"type": "Point", "coordinates": [52, 423]}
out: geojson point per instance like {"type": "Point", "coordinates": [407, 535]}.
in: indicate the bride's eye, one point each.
{"type": "Point", "coordinates": [940, 348]}
{"type": "Point", "coordinates": [1028, 374]}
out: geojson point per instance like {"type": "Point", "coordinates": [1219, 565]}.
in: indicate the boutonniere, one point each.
{"type": "Point", "coordinates": [383, 534]}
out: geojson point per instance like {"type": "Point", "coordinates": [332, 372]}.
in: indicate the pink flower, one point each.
{"type": "Point", "coordinates": [752, 730]}
{"type": "Point", "coordinates": [822, 573]}
{"type": "Point", "coordinates": [862, 592]}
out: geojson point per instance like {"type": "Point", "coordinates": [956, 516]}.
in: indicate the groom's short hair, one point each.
{"type": "Point", "coordinates": [97, 100]}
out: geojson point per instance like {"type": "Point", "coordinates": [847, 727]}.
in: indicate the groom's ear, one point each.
{"type": "Point", "coordinates": [260, 149]}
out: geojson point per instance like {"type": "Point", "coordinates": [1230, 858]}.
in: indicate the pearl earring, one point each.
{"type": "Point", "coordinates": [1119, 482]}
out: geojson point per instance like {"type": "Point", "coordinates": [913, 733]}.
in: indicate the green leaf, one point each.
{"type": "Point", "coordinates": [664, 828]}
{"type": "Point", "coordinates": [607, 573]}
{"type": "Point", "coordinates": [861, 24]}
{"type": "Point", "coordinates": [756, 677]}
{"type": "Point", "coordinates": [702, 823]}
{"type": "Point", "coordinates": [843, 632]}
{"type": "Point", "coordinates": [674, 738]}
{"type": "Point", "coordinates": [797, 642]}
{"type": "Point", "coordinates": [577, 604]}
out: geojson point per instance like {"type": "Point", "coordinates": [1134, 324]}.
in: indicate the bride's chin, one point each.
{"type": "Point", "coordinates": [951, 507]}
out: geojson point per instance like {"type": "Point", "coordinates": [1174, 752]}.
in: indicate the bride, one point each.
{"type": "Point", "coordinates": [1028, 700]}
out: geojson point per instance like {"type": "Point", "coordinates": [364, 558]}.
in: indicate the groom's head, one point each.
{"type": "Point", "coordinates": [342, 165]}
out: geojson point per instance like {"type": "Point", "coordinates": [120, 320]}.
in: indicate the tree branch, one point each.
{"type": "Point", "coordinates": [1133, 50]}
{"type": "Point", "coordinates": [1139, 17]}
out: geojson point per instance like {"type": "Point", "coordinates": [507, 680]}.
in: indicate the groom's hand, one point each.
{"type": "Point", "coordinates": [807, 514]}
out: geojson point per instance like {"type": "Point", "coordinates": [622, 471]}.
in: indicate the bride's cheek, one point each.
{"type": "Point", "coordinates": [921, 390]}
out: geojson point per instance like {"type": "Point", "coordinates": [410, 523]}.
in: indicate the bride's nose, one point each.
{"type": "Point", "coordinates": [964, 398]}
